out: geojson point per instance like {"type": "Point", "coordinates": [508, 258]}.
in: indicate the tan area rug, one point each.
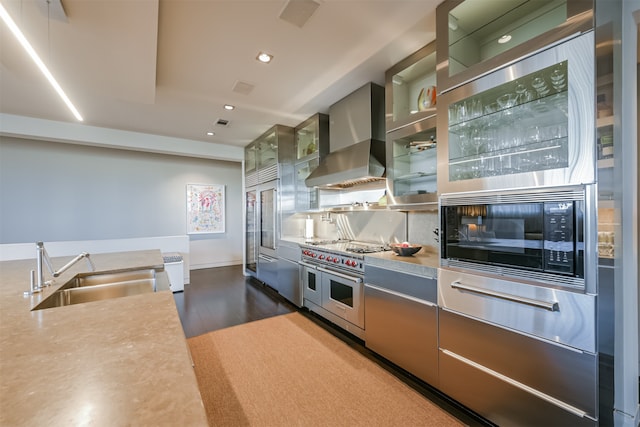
{"type": "Point", "coordinates": [288, 371]}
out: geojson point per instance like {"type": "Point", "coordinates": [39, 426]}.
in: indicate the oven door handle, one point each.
{"type": "Point", "coordinates": [344, 276]}
{"type": "Point", "coordinates": [547, 305]}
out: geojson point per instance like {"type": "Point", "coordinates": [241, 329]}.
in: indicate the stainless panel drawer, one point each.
{"type": "Point", "coordinates": [499, 401]}
{"type": "Point", "coordinates": [566, 374]}
{"type": "Point", "coordinates": [554, 314]}
{"type": "Point", "coordinates": [404, 331]}
{"type": "Point", "coordinates": [404, 283]}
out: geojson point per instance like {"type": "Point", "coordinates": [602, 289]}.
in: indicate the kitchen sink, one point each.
{"type": "Point", "coordinates": [95, 287]}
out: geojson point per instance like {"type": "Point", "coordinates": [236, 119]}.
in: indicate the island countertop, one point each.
{"type": "Point", "coordinates": [121, 361]}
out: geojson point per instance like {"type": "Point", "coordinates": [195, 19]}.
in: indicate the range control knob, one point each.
{"type": "Point", "coordinates": [321, 257]}
{"type": "Point", "coordinates": [336, 260]}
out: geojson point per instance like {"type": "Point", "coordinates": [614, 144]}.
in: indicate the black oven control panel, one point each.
{"type": "Point", "coordinates": [559, 248]}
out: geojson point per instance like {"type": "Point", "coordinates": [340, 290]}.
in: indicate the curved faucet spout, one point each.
{"type": "Point", "coordinates": [43, 258]}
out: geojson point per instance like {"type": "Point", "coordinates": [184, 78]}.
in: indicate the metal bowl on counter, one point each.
{"type": "Point", "coordinates": [405, 249]}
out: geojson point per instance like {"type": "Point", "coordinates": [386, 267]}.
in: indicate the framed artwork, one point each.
{"type": "Point", "coordinates": [205, 208]}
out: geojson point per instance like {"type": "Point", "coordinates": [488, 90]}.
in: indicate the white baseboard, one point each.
{"type": "Point", "coordinates": [180, 244]}
{"type": "Point", "coordinates": [15, 251]}
{"type": "Point", "coordinates": [225, 263]}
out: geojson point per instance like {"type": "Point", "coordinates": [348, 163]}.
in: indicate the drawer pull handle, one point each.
{"type": "Point", "coordinates": [547, 305]}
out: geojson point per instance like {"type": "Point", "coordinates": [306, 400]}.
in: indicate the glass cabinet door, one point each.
{"type": "Point", "coordinates": [267, 150]}
{"type": "Point", "coordinates": [410, 88]}
{"type": "Point", "coordinates": [306, 198]}
{"type": "Point", "coordinates": [311, 143]}
{"type": "Point", "coordinates": [517, 127]}
{"type": "Point", "coordinates": [413, 168]}
{"type": "Point", "coordinates": [477, 36]}
{"type": "Point", "coordinates": [531, 124]}
{"type": "Point", "coordinates": [268, 218]}
{"type": "Point", "coordinates": [251, 231]}
{"type": "Point", "coordinates": [250, 158]}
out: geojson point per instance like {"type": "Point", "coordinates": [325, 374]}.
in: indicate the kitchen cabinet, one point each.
{"type": "Point", "coordinates": [401, 320]}
{"type": "Point", "coordinates": [410, 88]}
{"type": "Point", "coordinates": [475, 37]}
{"type": "Point", "coordinates": [311, 144]}
{"type": "Point", "coordinates": [412, 165]}
{"type": "Point", "coordinates": [250, 161]}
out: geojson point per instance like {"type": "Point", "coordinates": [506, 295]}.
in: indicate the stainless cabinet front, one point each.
{"type": "Point", "coordinates": [513, 379]}
{"type": "Point", "coordinates": [403, 330]}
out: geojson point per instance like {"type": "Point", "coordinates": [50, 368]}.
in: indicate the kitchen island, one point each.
{"type": "Point", "coordinates": [120, 361]}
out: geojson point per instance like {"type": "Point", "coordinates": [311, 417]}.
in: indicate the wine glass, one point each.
{"type": "Point", "coordinates": [558, 80]}
{"type": "Point", "coordinates": [540, 85]}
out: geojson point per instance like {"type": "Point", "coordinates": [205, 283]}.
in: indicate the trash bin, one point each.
{"type": "Point", "coordinates": [174, 266]}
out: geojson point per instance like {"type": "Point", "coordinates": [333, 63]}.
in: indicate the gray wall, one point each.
{"type": "Point", "coordinates": [63, 192]}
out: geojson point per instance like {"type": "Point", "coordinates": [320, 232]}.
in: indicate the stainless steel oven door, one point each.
{"type": "Point", "coordinates": [343, 295]}
{"type": "Point", "coordinates": [310, 280]}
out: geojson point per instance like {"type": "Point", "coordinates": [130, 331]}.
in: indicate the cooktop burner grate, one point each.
{"type": "Point", "coordinates": [365, 249]}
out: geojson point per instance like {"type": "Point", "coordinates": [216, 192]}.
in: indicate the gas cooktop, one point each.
{"type": "Point", "coordinates": [351, 246]}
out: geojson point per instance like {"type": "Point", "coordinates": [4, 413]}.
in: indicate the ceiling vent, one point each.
{"type": "Point", "coordinates": [243, 87]}
{"type": "Point", "coordinates": [298, 12]}
{"type": "Point", "coordinates": [222, 122]}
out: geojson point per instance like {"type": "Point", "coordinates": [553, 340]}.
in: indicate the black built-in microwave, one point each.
{"type": "Point", "coordinates": [541, 237]}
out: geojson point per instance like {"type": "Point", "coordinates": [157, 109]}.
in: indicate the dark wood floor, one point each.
{"type": "Point", "coordinates": [221, 297]}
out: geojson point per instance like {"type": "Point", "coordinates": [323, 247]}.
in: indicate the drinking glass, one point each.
{"type": "Point", "coordinates": [558, 80]}
{"type": "Point", "coordinates": [476, 108]}
{"type": "Point", "coordinates": [540, 85]}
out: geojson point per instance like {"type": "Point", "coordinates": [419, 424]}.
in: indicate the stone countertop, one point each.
{"type": "Point", "coordinates": [121, 361]}
{"type": "Point", "coordinates": [424, 263]}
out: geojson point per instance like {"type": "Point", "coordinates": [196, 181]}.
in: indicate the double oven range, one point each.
{"type": "Point", "coordinates": [331, 274]}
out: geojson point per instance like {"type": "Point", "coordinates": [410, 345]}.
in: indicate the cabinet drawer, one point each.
{"type": "Point", "coordinates": [566, 375]}
{"type": "Point", "coordinates": [408, 284]}
{"type": "Point", "coordinates": [404, 331]}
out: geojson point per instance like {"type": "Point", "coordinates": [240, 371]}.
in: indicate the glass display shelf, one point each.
{"type": "Point", "coordinates": [267, 150]}
{"type": "Point", "coordinates": [312, 137]}
{"type": "Point", "coordinates": [250, 163]}
{"type": "Point", "coordinates": [520, 126]}
{"type": "Point", "coordinates": [412, 173]}
{"type": "Point", "coordinates": [410, 88]}
{"type": "Point", "coordinates": [475, 37]}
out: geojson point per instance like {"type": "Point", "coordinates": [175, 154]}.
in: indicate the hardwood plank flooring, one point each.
{"type": "Point", "coordinates": [221, 297]}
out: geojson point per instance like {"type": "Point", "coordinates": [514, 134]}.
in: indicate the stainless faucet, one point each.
{"type": "Point", "coordinates": [43, 258]}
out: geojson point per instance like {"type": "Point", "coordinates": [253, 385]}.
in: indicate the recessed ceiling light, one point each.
{"type": "Point", "coordinates": [504, 39]}
{"type": "Point", "coordinates": [229, 107]}
{"type": "Point", "coordinates": [211, 133]}
{"type": "Point", "coordinates": [264, 57]}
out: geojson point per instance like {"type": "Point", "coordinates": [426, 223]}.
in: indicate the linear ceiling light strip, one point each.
{"type": "Point", "coordinates": [32, 53]}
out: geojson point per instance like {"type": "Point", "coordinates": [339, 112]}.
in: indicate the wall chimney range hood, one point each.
{"type": "Point", "coordinates": [356, 142]}
{"type": "Point", "coordinates": [353, 165]}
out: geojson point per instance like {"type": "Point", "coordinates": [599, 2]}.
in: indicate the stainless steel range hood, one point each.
{"type": "Point", "coordinates": [353, 165]}
{"type": "Point", "coordinates": [356, 139]}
